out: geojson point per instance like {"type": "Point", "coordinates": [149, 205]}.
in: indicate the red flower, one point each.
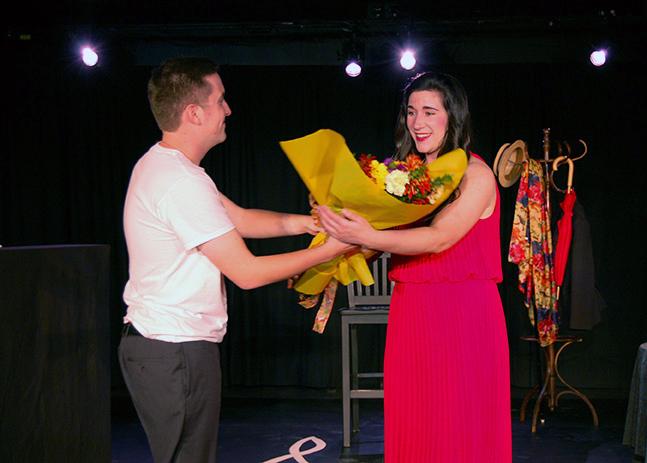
{"type": "Point", "coordinates": [365, 163]}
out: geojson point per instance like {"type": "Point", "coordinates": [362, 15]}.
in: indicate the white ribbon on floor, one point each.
{"type": "Point", "coordinates": [297, 454]}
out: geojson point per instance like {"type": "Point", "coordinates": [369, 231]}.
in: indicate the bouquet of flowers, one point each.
{"type": "Point", "coordinates": [408, 180]}
{"type": "Point", "coordinates": [386, 194]}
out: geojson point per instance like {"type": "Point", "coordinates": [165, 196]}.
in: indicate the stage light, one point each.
{"type": "Point", "coordinates": [89, 56]}
{"type": "Point", "coordinates": [353, 68]}
{"type": "Point", "coordinates": [408, 60]}
{"type": "Point", "coordinates": [598, 57]}
{"type": "Point", "coordinates": [352, 55]}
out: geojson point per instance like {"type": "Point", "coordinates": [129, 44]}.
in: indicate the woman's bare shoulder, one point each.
{"type": "Point", "coordinates": [477, 168]}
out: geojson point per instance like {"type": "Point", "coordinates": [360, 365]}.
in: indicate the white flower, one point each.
{"type": "Point", "coordinates": [436, 193]}
{"type": "Point", "coordinates": [396, 181]}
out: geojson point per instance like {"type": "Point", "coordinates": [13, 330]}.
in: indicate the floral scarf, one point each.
{"type": "Point", "coordinates": [531, 249]}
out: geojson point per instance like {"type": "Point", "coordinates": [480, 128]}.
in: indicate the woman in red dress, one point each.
{"type": "Point", "coordinates": [446, 366]}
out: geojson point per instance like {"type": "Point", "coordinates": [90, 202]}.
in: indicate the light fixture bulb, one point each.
{"type": "Point", "coordinates": [353, 69]}
{"type": "Point", "coordinates": [598, 57]}
{"type": "Point", "coordinates": [408, 60]}
{"type": "Point", "coordinates": [89, 56]}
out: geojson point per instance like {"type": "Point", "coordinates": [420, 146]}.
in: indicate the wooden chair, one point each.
{"type": "Point", "coordinates": [366, 305]}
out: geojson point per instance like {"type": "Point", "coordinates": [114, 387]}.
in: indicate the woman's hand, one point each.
{"type": "Point", "coordinates": [345, 226]}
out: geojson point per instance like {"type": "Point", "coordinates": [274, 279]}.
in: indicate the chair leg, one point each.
{"type": "Point", "coordinates": [354, 378]}
{"type": "Point", "coordinates": [345, 360]}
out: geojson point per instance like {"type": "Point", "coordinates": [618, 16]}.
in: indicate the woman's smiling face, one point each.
{"type": "Point", "coordinates": [427, 121]}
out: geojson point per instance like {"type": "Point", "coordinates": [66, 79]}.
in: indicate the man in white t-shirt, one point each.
{"type": "Point", "coordinates": [183, 235]}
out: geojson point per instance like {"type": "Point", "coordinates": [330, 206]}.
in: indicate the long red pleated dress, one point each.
{"type": "Point", "coordinates": [446, 366]}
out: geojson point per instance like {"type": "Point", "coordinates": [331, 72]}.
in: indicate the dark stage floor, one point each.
{"type": "Point", "coordinates": [261, 430]}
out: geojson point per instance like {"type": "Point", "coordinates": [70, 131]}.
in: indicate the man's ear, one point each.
{"type": "Point", "coordinates": [193, 114]}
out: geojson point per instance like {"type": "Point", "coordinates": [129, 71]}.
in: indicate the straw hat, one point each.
{"type": "Point", "coordinates": [508, 163]}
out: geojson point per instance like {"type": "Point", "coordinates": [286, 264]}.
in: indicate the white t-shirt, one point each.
{"type": "Point", "coordinates": [174, 292]}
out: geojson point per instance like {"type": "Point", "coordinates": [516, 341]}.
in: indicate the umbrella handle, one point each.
{"type": "Point", "coordinates": [586, 150]}
{"type": "Point", "coordinates": [571, 167]}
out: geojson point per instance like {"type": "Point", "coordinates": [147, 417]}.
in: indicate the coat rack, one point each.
{"type": "Point", "coordinates": [511, 157]}
{"type": "Point", "coordinates": [508, 167]}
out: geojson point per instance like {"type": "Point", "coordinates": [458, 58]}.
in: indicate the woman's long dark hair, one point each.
{"type": "Point", "coordinates": [458, 124]}
{"type": "Point", "coordinates": [455, 102]}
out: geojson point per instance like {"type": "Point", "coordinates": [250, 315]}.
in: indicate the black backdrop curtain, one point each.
{"type": "Point", "coordinates": [73, 134]}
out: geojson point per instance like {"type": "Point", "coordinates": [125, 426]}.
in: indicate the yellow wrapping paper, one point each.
{"type": "Point", "coordinates": [334, 178]}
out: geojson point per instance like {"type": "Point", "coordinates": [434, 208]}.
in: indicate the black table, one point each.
{"type": "Point", "coordinates": [54, 356]}
{"type": "Point", "coordinates": [635, 433]}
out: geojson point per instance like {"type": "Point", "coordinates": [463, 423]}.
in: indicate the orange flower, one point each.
{"type": "Point", "coordinates": [413, 162]}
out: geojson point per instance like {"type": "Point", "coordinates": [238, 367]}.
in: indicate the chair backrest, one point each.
{"type": "Point", "coordinates": [376, 294]}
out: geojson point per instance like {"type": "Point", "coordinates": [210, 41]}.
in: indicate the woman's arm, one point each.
{"type": "Point", "coordinates": [476, 200]}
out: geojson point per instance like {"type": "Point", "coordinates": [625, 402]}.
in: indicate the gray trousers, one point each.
{"type": "Point", "coordinates": [176, 390]}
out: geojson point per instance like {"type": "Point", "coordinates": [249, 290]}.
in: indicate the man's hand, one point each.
{"type": "Point", "coordinates": [301, 224]}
